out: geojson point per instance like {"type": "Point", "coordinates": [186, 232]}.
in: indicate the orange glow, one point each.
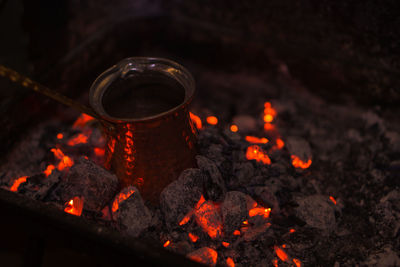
{"type": "Point", "coordinates": [269, 112]}
{"type": "Point", "coordinates": [236, 232]}
{"type": "Point", "coordinates": [255, 152]}
{"type": "Point", "coordinates": [297, 262]}
{"type": "Point", "coordinates": [207, 218]}
{"type": "Point", "coordinates": [246, 222]}
{"type": "Point", "coordinates": [256, 140]}
{"type": "Point", "coordinates": [60, 136]}
{"type": "Point", "coordinates": [78, 139]}
{"type": "Point", "coordinates": [298, 163]}
{"type": "Point", "coordinates": [193, 237]}
{"type": "Point", "coordinates": [225, 244]}
{"type": "Point", "coordinates": [279, 143]}
{"type": "Point", "coordinates": [208, 256]}
{"type": "Point", "coordinates": [230, 262]}
{"type": "Point", "coordinates": [212, 120]}
{"type": "Point", "coordinates": [74, 206]}
{"type": "Point", "coordinates": [49, 170]}
{"type": "Point", "coordinates": [269, 126]}
{"type": "Point", "coordinates": [82, 120]}
{"type": "Point", "coordinates": [281, 254]}
{"type": "Point", "coordinates": [18, 182]}
{"type": "Point", "coordinates": [275, 262]}
{"type": "Point", "coordinates": [333, 199]}
{"type": "Point", "coordinates": [260, 211]}
{"type": "Point", "coordinates": [120, 198]}
{"type": "Point", "coordinates": [234, 128]}
{"type": "Point", "coordinates": [284, 245]}
{"type": "Point", "coordinates": [187, 217]}
{"type": "Point", "coordinates": [65, 161]}
{"type": "Point", "coordinates": [196, 120]}
{"type": "Point", "coordinates": [292, 230]}
{"type": "Point", "coordinates": [99, 151]}
{"type": "Point", "coordinates": [166, 244]}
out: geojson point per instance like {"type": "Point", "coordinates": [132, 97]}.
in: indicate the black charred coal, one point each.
{"type": "Point", "coordinates": [234, 211]}
{"type": "Point", "coordinates": [214, 184]}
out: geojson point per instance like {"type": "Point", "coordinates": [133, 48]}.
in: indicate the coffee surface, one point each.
{"type": "Point", "coordinates": [141, 96]}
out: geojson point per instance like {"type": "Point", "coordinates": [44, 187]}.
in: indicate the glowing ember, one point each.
{"type": "Point", "coordinates": [60, 136]}
{"type": "Point", "coordinates": [207, 217]}
{"type": "Point", "coordinates": [99, 151]}
{"type": "Point", "coordinates": [78, 139]}
{"type": "Point", "coordinates": [166, 244]}
{"type": "Point", "coordinates": [120, 198]}
{"type": "Point", "coordinates": [275, 262]}
{"type": "Point", "coordinates": [49, 170]}
{"type": "Point", "coordinates": [279, 143]}
{"type": "Point", "coordinates": [269, 127]}
{"type": "Point", "coordinates": [333, 199]}
{"type": "Point", "coordinates": [281, 254]}
{"type": "Point", "coordinates": [259, 211]}
{"type": "Point", "coordinates": [187, 217]}
{"type": "Point", "coordinates": [256, 140]}
{"type": "Point", "coordinates": [196, 120]}
{"type": "Point", "coordinates": [225, 244]}
{"type": "Point", "coordinates": [74, 206]}
{"type": "Point", "coordinates": [255, 152]}
{"type": "Point", "coordinates": [82, 121]}
{"type": "Point", "coordinates": [298, 163]}
{"type": "Point", "coordinates": [18, 182]}
{"type": "Point", "coordinates": [236, 232]}
{"type": "Point", "coordinates": [230, 262]}
{"type": "Point", "coordinates": [269, 112]}
{"type": "Point", "coordinates": [297, 262]}
{"type": "Point", "coordinates": [212, 120]}
{"type": "Point", "coordinates": [234, 128]}
{"type": "Point", "coordinates": [204, 255]}
{"type": "Point", "coordinates": [193, 237]}
{"type": "Point", "coordinates": [246, 222]}
{"type": "Point", "coordinates": [292, 230]}
{"type": "Point", "coordinates": [65, 161]}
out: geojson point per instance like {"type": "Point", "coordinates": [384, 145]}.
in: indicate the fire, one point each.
{"type": "Point", "coordinates": [74, 206]}
{"type": "Point", "coordinates": [49, 170]}
{"type": "Point", "coordinates": [18, 182]}
{"type": "Point", "coordinates": [292, 230]}
{"type": "Point", "coordinates": [259, 211]}
{"type": "Point", "coordinates": [298, 163]}
{"type": "Point", "coordinates": [230, 262]}
{"type": "Point", "coordinates": [212, 120]}
{"type": "Point", "coordinates": [269, 112]}
{"type": "Point", "coordinates": [255, 152]}
{"type": "Point", "coordinates": [234, 128]}
{"type": "Point", "coordinates": [193, 237]}
{"type": "Point", "coordinates": [256, 140]}
{"type": "Point", "coordinates": [207, 217]}
{"type": "Point", "coordinates": [281, 254]}
{"type": "Point", "coordinates": [236, 232]}
{"type": "Point", "coordinates": [60, 136]}
{"type": "Point", "coordinates": [279, 143]}
{"type": "Point", "coordinates": [297, 262]}
{"type": "Point", "coordinates": [78, 139]}
{"type": "Point", "coordinates": [225, 244]}
{"type": "Point", "coordinates": [65, 161]}
{"type": "Point", "coordinates": [208, 256]}
{"type": "Point", "coordinates": [120, 198]}
{"type": "Point", "coordinates": [166, 244]}
{"type": "Point", "coordinates": [196, 120]}
{"type": "Point", "coordinates": [333, 199]}
{"type": "Point", "coordinates": [100, 152]}
{"type": "Point", "coordinates": [82, 120]}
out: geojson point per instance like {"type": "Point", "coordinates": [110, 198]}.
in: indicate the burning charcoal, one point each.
{"type": "Point", "coordinates": [267, 198]}
{"type": "Point", "coordinates": [206, 255]}
{"type": "Point", "coordinates": [180, 247]}
{"type": "Point", "coordinates": [243, 171]}
{"type": "Point", "coordinates": [38, 186]}
{"type": "Point", "coordinates": [90, 181]}
{"type": "Point", "coordinates": [133, 215]}
{"type": "Point", "coordinates": [234, 211]}
{"type": "Point", "coordinates": [181, 196]}
{"type": "Point", "coordinates": [299, 147]}
{"type": "Point", "coordinates": [317, 211]}
{"type": "Point", "coordinates": [245, 123]}
{"type": "Point", "coordinates": [252, 233]}
{"type": "Point", "coordinates": [209, 219]}
{"type": "Point", "coordinates": [214, 184]}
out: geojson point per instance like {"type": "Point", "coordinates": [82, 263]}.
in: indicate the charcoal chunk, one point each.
{"type": "Point", "coordinates": [299, 147]}
{"type": "Point", "coordinates": [133, 215]}
{"type": "Point", "coordinates": [317, 211]}
{"type": "Point", "coordinates": [234, 210]}
{"type": "Point", "coordinates": [181, 196]}
{"type": "Point", "coordinates": [268, 199]}
{"type": "Point", "coordinates": [205, 255]}
{"type": "Point", "coordinates": [214, 184]}
{"type": "Point", "coordinates": [243, 173]}
{"type": "Point", "coordinates": [86, 179]}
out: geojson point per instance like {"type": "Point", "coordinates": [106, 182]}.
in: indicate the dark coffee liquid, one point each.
{"type": "Point", "coordinates": [142, 95]}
